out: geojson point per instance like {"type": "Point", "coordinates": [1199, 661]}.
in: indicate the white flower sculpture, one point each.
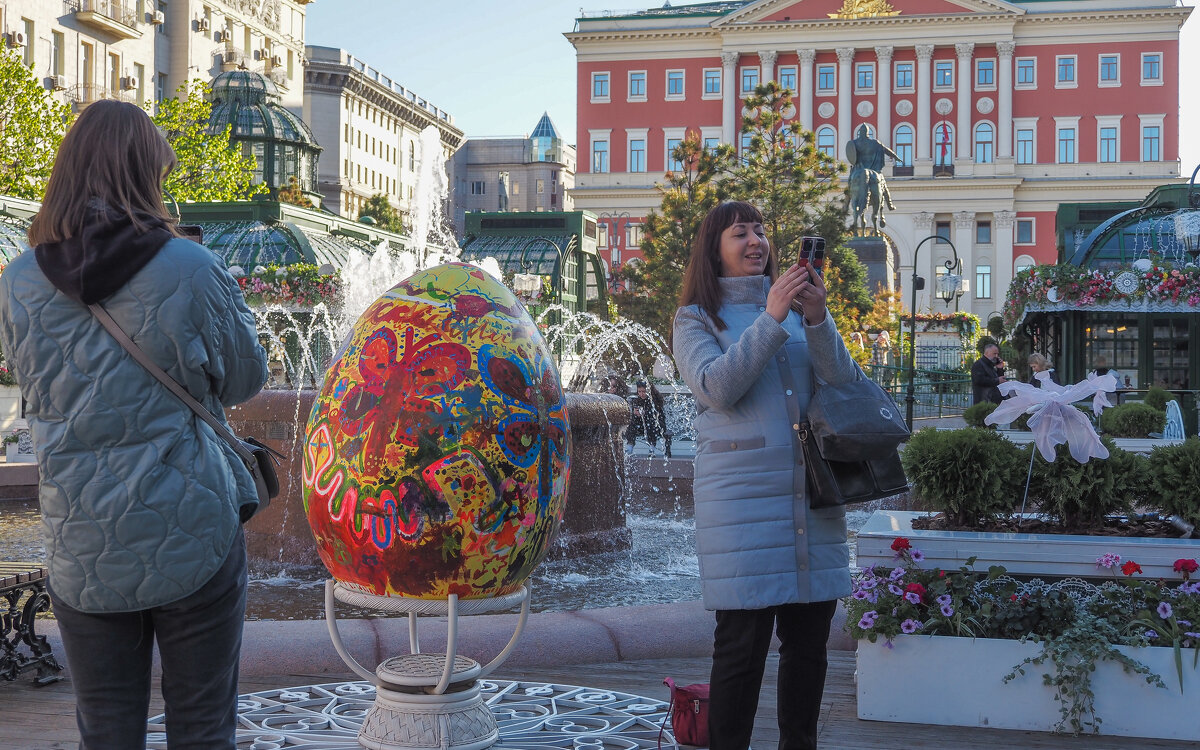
{"type": "Point", "coordinates": [1054, 420]}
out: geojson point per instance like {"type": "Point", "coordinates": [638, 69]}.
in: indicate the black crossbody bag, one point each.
{"type": "Point", "coordinates": [259, 459]}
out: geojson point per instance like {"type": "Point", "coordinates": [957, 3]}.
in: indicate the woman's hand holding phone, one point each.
{"type": "Point", "coordinates": [800, 286]}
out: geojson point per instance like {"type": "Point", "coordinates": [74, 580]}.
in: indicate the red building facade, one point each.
{"type": "Point", "coordinates": [999, 111]}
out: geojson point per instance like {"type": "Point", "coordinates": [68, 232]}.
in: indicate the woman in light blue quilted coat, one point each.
{"type": "Point", "coordinates": [139, 497]}
{"type": "Point", "coordinates": [749, 342]}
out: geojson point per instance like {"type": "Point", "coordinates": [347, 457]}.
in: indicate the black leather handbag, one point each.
{"type": "Point", "coordinates": [850, 441]}
{"type": "Point", "coordinates": [258, 458]}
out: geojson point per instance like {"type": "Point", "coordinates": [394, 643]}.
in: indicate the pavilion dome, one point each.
{"type": "Point", "coordinates": [249, 104]}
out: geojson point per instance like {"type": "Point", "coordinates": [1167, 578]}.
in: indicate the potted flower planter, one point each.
{"type": "Point", "coordinates": [1055, 555]}
{"type": "Point", "coordinates": [922, 680]}
{"type": "Point", "coordinates": [13, 455]}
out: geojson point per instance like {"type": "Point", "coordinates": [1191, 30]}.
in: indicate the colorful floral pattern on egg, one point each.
{"type": "Point", "coordinates": [438, 451]}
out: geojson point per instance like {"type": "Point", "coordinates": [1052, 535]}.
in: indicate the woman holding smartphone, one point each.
{"type": "Point", "coordinates": [747, 339]}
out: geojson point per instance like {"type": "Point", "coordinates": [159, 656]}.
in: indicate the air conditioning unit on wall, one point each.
{"type": "Point", "coordinates": [276, 61]}
{"type": "Point", "coordinates": [17, 39]}
{"type": "Point", "coordinates": [223, 36]}
{"type": "Point", "coordinates": [202, 24]}
{"type": "Point", "coordinates": [58, 83]}
{"type": "Point", "coordinates": [129, 83]}
{"type": "Point", "coordinates": [157, 18]}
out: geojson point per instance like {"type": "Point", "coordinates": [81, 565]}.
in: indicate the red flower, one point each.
{"type": "Point", "coordinates": [916, 588]}
{"type": "Point", "coordinates": [900, 544]}
{"type": "Point", "coordinates": [1130, 568]}
{"type": "Point", "coordinates": [941, 574]}
{"type": "Point", "coordinates": [1186, 567]}
{"type": "Point", "coordinates": [1012, 598]}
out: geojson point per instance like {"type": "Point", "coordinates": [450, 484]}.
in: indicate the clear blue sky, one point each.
{"type": "Point", "coordinates": [497, 65]}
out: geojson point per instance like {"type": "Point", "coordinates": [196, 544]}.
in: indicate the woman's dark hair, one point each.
{"type": "Point", "coordinates": [700, 285]}
{"type": "Point", "coordinates": [112, 154]}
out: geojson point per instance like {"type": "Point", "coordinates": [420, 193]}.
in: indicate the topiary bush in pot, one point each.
{"type": "Point", "coordinates": [1175, 479]}
{"type": "Point", "coordinates": [1082, 495]}
{"type": "Point", "coordinates": [973, 415]}
{"type": "Point", "coordinates": [970, 475]}
{"type": "Point", "coordinates": [1132, 420]}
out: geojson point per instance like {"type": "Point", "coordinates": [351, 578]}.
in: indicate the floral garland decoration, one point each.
{"type": "Point", "coordinates": [967, 324]}
{"type": "Point", "coordinates": [1156, 281]}
{"type": "Point", "coordinates": [297, 285]}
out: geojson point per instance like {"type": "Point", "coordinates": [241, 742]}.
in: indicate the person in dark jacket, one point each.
{"type": "Point", "coordinates": [750, 341]}
{"type": "Point", "coordinates": [986, 373]}
{"type": "Point", "coordinates": [140, 499]}
{"type": "Point", "coordinates": [643, 420]}
{"type": "Point", "coordinates": [660, 414]}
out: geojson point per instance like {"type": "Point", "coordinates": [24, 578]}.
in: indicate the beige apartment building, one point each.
{"type": "Point", "coordinates": [143, 50]}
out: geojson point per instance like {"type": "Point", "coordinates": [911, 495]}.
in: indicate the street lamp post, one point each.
{"type": "Point", "coordinates": [613, 231]}
{"type": "Point", "coordinates": [912, 322]}
{"type": "Point", "coordinates": [527, 264]}
{"type": "Point", "coordinates": [950, 286]}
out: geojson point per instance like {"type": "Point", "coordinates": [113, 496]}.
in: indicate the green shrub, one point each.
{"type": "Point", "coordinates": [974, 414]}
{"type": "Point", "coordinates": [1083, 494]}
{"type": "Point", "coordinates": [1158, 397]}
{"type": "Point", "coordinates": [984, 342]}
{"type": "Point", "coordinates": [970, 475]}
{"type": "Point", "coordinates": [1132, 420]}
{"type": "Point", "coordinates": [1175, 479]}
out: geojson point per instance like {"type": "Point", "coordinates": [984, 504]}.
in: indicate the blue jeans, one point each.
{"type": "Point", "coordinates": [741, 642]}
{"type": "Point", "coordinates": [199, 642]}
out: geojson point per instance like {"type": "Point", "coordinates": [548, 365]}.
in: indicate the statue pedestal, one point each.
{"type": "Point", "coordinates": [875, 253]}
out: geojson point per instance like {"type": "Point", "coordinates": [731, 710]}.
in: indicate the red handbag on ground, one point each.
{"type": "Point", "coordinates": [689, 714]}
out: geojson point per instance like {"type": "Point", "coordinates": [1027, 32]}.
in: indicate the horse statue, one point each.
{"type": "Point", "coordinates": [868, 187]}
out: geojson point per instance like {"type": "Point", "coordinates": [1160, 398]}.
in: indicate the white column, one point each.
{"type": "Point", "coordinates": [767, 59]}
{"type": "Point", "coordinates": [923, 226]}
{"type": "Point", "coordinates": [806, 87]}
{"type": "Point", "coordinates": [845, 57]}
{"type": "Point", "coordinates": [924, 85]}
{"type": "Point", "coordinates": [964, 244]}
{"type": "Point", "coordinates": [965, 82]}
{"type": "Point", "coordinates": [1004, 89]}
{"type": "Point", "coordinates": [1002, 228]}
{"type": "Point", "coordinates": [883, 88]}
{"type": "Point", "coordinates": [729, 98]}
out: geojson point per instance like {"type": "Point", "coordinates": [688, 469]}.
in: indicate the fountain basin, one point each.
{"type": "Point", "coordinates": [595, 513]}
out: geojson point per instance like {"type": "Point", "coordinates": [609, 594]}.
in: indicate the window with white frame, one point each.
{"type": "Point", "coordinates": [600, 87]}
{"type": "Point", "coordinates": [1108, 139]}
{"type": "Point", "coordinates": [600, 156]}
{"type": "Point", "coordinates": [1110, 70]}
{"type": "Point", "coordinates": [1024, 231]}
{"type": "Point", "coordinates": [1023, 263]}
{"type": "Point", "coordinates": [711, 143]}
{"type": "Point", "coordinates": [983, 281]}
{"type": "Point", "coordinates": [637, 154]}
{"type": "Point", "coordinates": [674, 85]}
{"type": "Point", "coordinates": [1152, 137]}
{"type": "Point", "coordinates": [787, 77]}
{"type": "Point", "coordinates": [985, 75]}
{"type": "Point", "coordinates": [637, 86]}
{"type": "Point", "coordinates": [1026, 73]}
{"type": "Point", "coordinates": [903, 74]}
{"type": "Point", "coordinates": [1025, 139]}
{"type": "Point", "coordinates": [1064, 72]}
{"type": "Point", "coordinates": [744, 147]}
{"type": "Point", "coordinates": [749, 79]}
{"type": "Point", "coordinates": [827, 141]}
{"type": "Point", "coordinates": [902, 144]}
{"type": "Point", "coordinates": [1066, 145]}
{"type": "Point", "coordinates": [1152, 69]}
{"type": "Point", "coordinates": [983, 232]}
{"type": "Point", "coordinates": [478, 187]}
{"type": "Point", "coordinates": [941, 230]}
{"type": "Point", "coordinates": [673, 164]}
{"type": "Point", "coordinates": [943, 144]}
{"type": "Point", "coordinates": [633, 235]}
{"type": "Point", "coordinates": [864, 78]}
{"type": "Point", "coordinates": [985, 141]}
{"type": "Point", "coordinates": [712, 83]}
{"type": "Point", "coordinates": [943, 75]}
{"type": "Point", "coordinates": [826, 80]}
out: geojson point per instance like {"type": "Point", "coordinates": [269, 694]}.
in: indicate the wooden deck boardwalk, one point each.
{"type": "Point", "coordinates": [44, 718]}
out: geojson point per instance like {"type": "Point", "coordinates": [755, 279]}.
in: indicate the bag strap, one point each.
{"type": "Point", "coordinates": [662, 728]}
{"type": "Point", "coordinates": [172, 385]}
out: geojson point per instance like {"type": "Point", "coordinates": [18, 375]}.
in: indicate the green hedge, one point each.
{"type": "Point", "coordinates": [1175, 479]}
{"type": "Point", "coordinates": [970, 475]}
{"type": "Point", "coordinates": [1083, 494]}
{"type": "Point", "coordinates": [974, 414]}
{"type": "Point", "coordinates": [1132, 420]}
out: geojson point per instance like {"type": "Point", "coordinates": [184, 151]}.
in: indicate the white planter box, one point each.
{"type": "Point", "coordinates": [959, 681]}
{"type": "Point", "coordinates": [10, 407]}
{"type": "Point", "coordinates": [12, 456]}
{"type": "Point", "coordinates": [1026, 554]}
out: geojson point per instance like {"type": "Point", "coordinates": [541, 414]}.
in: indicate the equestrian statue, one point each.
{"type": "Point", "coordinates": [868, 187]}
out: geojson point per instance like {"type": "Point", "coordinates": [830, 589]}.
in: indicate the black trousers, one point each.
{"type": "Point", "coordinates": [741, 641]}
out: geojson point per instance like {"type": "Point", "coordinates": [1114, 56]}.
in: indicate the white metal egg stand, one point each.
{"type": "Point", "coordinates": [412, 709]}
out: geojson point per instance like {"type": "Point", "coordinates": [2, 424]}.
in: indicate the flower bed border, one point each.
{"type": "Point", "coordinates": [921, 679]}
{"type": "Point", "coordinates": [1056, 555]}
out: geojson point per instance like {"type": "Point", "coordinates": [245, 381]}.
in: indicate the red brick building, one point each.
{"type": "Point", "coordinates": [999, 110]}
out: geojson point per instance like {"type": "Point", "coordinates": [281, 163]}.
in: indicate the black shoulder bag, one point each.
{"type": "Point", "coordinates": [257, 457]}
{"type": "Point", "coordinates": [850, 440]}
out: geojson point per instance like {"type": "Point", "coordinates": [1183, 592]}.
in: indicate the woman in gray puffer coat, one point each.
{"type": "Point", "coordinates": [750, 342]}
{"type": "Point", "coordinates": [140, 499]}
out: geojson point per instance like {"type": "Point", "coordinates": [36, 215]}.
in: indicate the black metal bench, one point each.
{"type": "Point", "coordinates": [23, 580]}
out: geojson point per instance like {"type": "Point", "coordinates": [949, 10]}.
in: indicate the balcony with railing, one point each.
{"type": "Point", "coordinates": [111, 16]}
{"type": "Point", "coordinates": [81, 95]}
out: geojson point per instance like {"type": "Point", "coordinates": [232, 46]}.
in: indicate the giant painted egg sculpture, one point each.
{"type": "Point", "coordinates": [437, 454]}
